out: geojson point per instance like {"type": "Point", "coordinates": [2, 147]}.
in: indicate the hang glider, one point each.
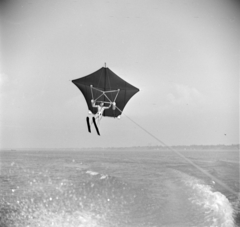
{"type": "Point", "coordinates": [104, 86]}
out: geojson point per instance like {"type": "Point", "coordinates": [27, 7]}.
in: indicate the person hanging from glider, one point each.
{"type": "Point", "coordinates": [101, 109]}
{"type": "Point", "coordinates": [104, 87]}
{"type": "Point", "coordinates": [98, 116]}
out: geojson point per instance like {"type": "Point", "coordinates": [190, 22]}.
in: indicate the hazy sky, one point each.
{"type": "Point", "coordinates": [183, 55]}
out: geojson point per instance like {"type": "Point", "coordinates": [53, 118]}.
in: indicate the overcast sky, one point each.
{"type": "Point", "coordinates": [183, 55]}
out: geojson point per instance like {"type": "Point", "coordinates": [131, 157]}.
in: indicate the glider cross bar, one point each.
{"type": "Point", "coordinates": [104, 93]}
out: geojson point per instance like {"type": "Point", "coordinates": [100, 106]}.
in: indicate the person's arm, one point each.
{"type": "Point", "coordinates": [93, 103]}
{"type": "Point", "coordinates": [114, 105]}
{"type": "Point", "coordinates": [107, 107]}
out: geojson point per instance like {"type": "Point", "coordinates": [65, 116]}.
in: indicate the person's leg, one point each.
{"type": "Point", "coordinates": [96, 116]}
{"type": "Point", "coordinates": [99, 118]}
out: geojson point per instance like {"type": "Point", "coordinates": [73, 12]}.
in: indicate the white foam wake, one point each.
{"type": "Point", "coordinates": [217, 208]}
{"type": "Point", "coordinates": [93, 173]}
{"type": "Point", "coordinates": [63, 219]}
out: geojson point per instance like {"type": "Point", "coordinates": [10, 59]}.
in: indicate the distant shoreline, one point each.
{"type": "Point", "coordinates": [233, 147]}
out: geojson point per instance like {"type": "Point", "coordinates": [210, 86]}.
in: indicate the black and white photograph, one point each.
{"type": "Point", "coordinates": [119, 113]}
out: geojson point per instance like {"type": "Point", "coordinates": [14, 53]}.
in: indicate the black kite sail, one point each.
{"type": "Point", "coordinates": [105, 86]}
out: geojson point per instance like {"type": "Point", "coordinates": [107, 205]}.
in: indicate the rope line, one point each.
{"type": "Point", "coordinates": [183, 157]}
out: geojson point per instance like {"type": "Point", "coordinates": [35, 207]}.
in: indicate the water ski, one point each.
{"type": "Point", "coordinates": [94, 122]}
{"type": "Point", "coordinates": [88, 124]}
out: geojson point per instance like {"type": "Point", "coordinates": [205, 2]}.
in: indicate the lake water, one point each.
{"type": "Point", "coordinates": [118, 189]}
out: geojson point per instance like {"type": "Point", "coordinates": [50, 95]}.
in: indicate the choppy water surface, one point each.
{"type": "Point", "coordinates": [118, 188]}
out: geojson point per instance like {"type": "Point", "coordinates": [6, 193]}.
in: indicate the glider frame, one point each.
{"type": "Point", "coordinates": [103, 93]}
